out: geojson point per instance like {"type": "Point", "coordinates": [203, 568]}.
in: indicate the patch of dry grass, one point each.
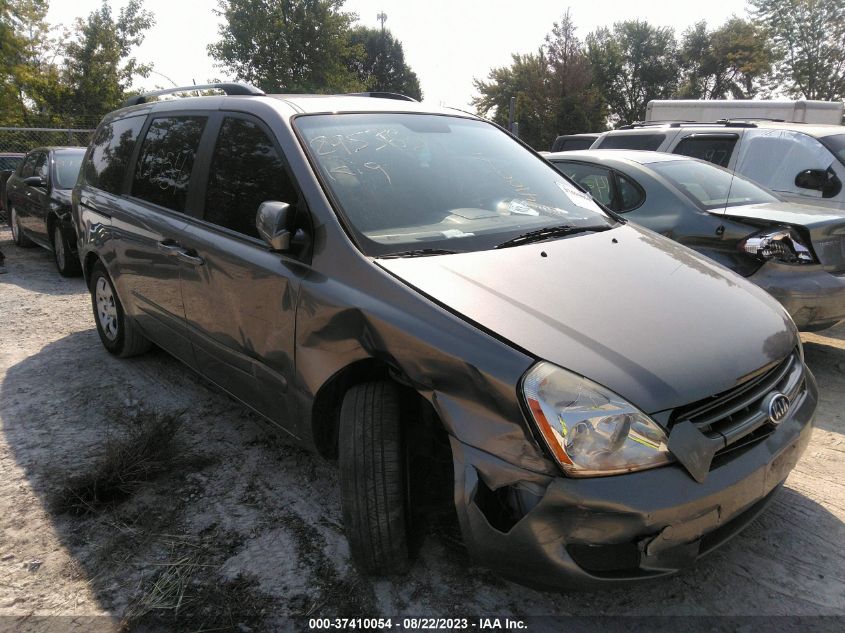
{"type": "Point", "coordinates": [146, 451]}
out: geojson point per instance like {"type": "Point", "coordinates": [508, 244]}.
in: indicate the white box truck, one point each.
{"type": "Point", "coordinates": [700, 110]}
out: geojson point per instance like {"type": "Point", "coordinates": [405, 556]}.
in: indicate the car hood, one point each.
{"type": "Point", "coordinates": [826, 227]}
{"type": "Point", "coordinates": [787, 213]}
{"type": "Point", "coordinates": [644, 316]}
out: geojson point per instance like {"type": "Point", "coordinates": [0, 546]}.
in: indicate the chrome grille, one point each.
{"type": "Point", "coordinates": [738, 413]}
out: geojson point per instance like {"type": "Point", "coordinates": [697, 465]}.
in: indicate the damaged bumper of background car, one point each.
{"type": "Point", "coordinates": [562, 532]}
{"type": "Point", "coordinates": [814, 298]}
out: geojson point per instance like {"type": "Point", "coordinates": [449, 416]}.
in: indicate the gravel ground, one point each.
{"type": "Point", "coordinates": [235, 529]}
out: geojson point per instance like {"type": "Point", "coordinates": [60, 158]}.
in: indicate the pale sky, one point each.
{"type": "Point", "coordinates": [447, 43]}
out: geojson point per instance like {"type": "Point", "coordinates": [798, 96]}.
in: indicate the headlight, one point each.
{"type": "Point", "coordinates": [783, 245]}
{"type": "Point", "coordinates": [590, 430]}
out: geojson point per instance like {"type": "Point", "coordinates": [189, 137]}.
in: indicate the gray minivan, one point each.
{"type": "Point", "coordinates": [412, 291]}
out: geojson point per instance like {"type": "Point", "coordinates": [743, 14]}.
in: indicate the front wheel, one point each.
{"type": "Point", "coordinates": [66, 261]}
{"type": "Point", "coordinates": [373, 478]}
{"type": "Point", "coordinates": [118, 333]}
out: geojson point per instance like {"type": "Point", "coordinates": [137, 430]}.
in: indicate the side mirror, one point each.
{"type": "Point", "coordinates": [273, 221]}
{"type": "Point", "coordinates": [35, 181]}
{"type": "Point", "coordinates": [824, 180]}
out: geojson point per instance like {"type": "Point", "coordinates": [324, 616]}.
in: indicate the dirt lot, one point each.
{"type": "Point", "coordinates": [242, 530]}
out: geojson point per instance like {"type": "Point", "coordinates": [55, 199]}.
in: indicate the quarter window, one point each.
{"type": "Point", "coordinates": [597, 180]}
{"type": "Point", "coordinates": [163, 172]}
{"type": "Point", "coordinates": [630, 195]}
{"type": "Point", "coordinates": [246, 170]}
{"type": "Point", "coordinates": [713, 149]}
{"type": "Point", "coordinates": [42, 167]}
{"type": "Point", "coordinates": [105, 166]}
{"type": "Point", "coordinates": [28, 167]}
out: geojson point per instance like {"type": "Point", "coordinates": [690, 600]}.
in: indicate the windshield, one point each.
{"type": "Point", "coordinates": [67, 165]}
{"type": "Point", "coordinates": [416, 181]}
{"type": "Point", "coordinates": [711, 187]}
{"type": "Point", "coordinates": [835, 144]}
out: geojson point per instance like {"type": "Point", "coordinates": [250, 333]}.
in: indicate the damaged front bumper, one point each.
{"type": "Point", "coordinates": [814, 298]}
{"type": "Point", "coordinates": [561, 532]}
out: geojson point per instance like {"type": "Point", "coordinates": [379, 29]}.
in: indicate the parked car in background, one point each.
{"type": "Point", "coordinates": [796, 252]}
{"type": "Point", "coordinates": [38, 203]}
{"type": "Point", "coordinates": [568, 142]}
{"type": "Point", "coordinates": [801, 162]}
{"type": "Point", "coordinates": [9, 161]}
{"type": "Point", "coordinates": [410, 290]}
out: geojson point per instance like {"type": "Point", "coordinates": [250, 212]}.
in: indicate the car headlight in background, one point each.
{"type": "Point", "coordinates": [591, 431]}
{"type": "Point", "coordinates": [783, 245]}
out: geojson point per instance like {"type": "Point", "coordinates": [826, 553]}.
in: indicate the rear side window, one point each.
{"type": "Point", "coordinates": [163, 172]}
{"type": "Point", "coordinates": [569, 143]}
{"type": "Point", "coordinates": [246, 170]}
{"type": "Point", "coordinates": [648, 142]}
{"type": "Point", "coordinates": [110, 152]}
{"type": "Point", "coordinates": [713, 149]}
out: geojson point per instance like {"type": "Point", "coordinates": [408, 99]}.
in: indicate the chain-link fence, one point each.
{"type": "Point", "coordinates": [19, 140]}
{"type": "Point", "coordinates": [23, 139]}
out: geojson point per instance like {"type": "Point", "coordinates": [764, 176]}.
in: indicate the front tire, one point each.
{"type": "Point", "coordinates": [118, 333]}
{"type": "Point", "coordinates": [17, 234]}
{"type": "Point", "coordinates": [63, 254]}
{"type": "Point", "coordinates": [373, 478]}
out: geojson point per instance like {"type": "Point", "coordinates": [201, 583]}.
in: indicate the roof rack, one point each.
{"type": "Point", "coordinates": [669, 122]}
{"type": "Point", "coordinates": [228, 88]}
{"type": "Point", "coordinates": [381, 95]}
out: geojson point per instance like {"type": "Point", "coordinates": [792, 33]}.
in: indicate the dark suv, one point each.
{"type": "Point", "coordinates": [414, 292]}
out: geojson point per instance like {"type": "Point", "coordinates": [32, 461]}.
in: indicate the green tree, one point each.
{"type": "Point", "coordinates": [24, 54]}
{"type": "Point", "coordinates": [286, 45]}
{"type": "Point", "coordinates": [98, 66]}
{"type": "Point", "coordinates": [809, 45]}
{"type": "Point", "coordinates": [526, 79]}
{"type": "Point", "coordinates": [729, 62]}
{"type": "Point", "coordinates": [553, 88]}
{"type": "Point", "coordinates": [378, 61]}
{"type": "Point", "coordinates": [632, 64]}
{"type": "Point", "coordinates": [577, 104]}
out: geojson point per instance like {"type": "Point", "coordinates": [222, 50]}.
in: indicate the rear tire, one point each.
{"type": "Point", "coordinates": [373, 478]}
{"type": "Point", "coordinates": [118, 333]}
{"type": "Point", "coordinates": [17, 234]}
{"type": "Point", "coordinates": [63, 253]}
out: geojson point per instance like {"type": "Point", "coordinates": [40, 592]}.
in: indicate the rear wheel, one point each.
{"type": "Point", "coordinates": [66, 261]}
{"type": "Point", "coordinates": [17, 234]}
{"type": "Point", "coordinates": [373, 478]}
{"type": "Point", "coordinates": [118, 333]}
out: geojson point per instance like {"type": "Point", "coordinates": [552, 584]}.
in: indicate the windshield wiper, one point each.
{"type": "Point", "coordinates": [421, 252]}
{"type": "Point", "coordinates": [548, 232]}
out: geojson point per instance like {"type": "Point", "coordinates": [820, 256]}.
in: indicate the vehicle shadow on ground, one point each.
{"type": "Point", "coordinates": [824, 353]}
{"type": "Point", "coordinates": [243, 528]}
{"type": "Point", "coordinates": [38, 273]}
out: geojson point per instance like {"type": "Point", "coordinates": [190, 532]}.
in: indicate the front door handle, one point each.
{"type": "Point", "coordinates": [188, 258]}
{"type": "Point", "coordinates": [169, 247]}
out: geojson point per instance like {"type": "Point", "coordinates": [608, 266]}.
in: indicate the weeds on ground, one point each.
{"type": "Point", "coordinates": [186, 593]}
{"type": "Point", "coordinates": [146, 451]}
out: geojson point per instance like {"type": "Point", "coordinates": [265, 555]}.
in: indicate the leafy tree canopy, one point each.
{"type": "Point", "coordinates": [378, 62]}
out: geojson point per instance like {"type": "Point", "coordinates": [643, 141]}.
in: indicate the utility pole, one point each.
{"type": "Point", "coordinates": [382, 17]}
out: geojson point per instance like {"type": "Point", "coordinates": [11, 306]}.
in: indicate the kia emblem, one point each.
{"type": "Point", "coordinates": [778, 407]}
